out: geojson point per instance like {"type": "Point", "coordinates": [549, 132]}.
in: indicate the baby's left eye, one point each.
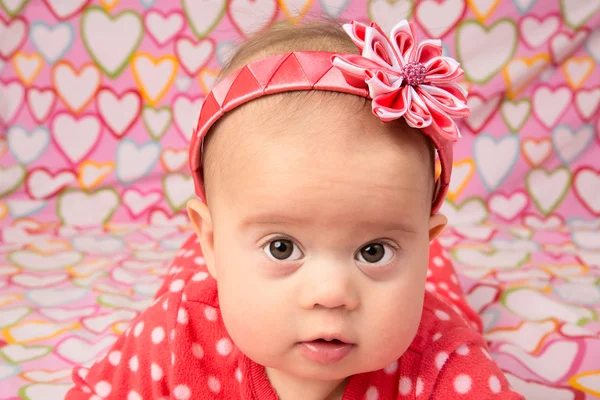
{"type": "Point", "coordinates": [374, 253]}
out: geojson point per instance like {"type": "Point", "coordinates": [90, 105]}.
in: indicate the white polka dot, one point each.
{"type": "Point", "coordinates": [86, 389]}
{"type": "Point", "coordinates": [172, 335]}
{"type": "Point", "coordinates": [102, 388]}
{"type": "Point", "coordinates": [139, 327]}
{"type": "Point", "coordinates": [438, 262]}
{"type": "Point", "coordinates": [176, 285]}
{"type": "Point", "coordinates": [405, 385]}
{"type": "Point", "coordinates": [238, 375]}
{"type": "Point", "coordinates": [391, 369]}
{"type": "Point", "coordinates": [82, 373]}
{"type": "Point", "coordinates": [133, 395]}
{"type": "Point", "coordinates": [419, 387]}
{"type": "Point", "coordinates": [442, 315]}
{"type": "Point", "coordinates": [436, 337]}
{"type": "Point", "coordinates": [224, 347]}
{"type": "Point", "coordinates": [430, 287]}
{"type": "Point", "coordinates": [200, 276]}
{"type": "Point", "coordinates": [474, 326]}
{"type": "Point", "coordinates": [372, 393]}
{"type": "Point", "coordinates": [184, 297]}
{"type": "Point", "coordinates": [182, 392]}
{"type": "Point", "coordinates": [156, 372]}
{"type": "Point", "coordinates": [463, 350]}
{"type": "Point", "coordinates": [214, 385]}
{"type": "Point", "coordinates": [158, 334]}
{"type": "Point", "coordinates": [453, 295]}
{"type": "Point", "coordinates": [182, 316]}
{"type": "Point", "coordinates": [428, 273]}
{"type": "Point", "coordinates": [94, 397]}
{"type": "Point", "coordinates": [199, 260]}
{"type": "Point", "coordinates": [443, 285]}
{"type": "Point", "coordinates": [462, 384]}
{"type": "Point", "coordinates": [133, 363]}
{"type": "Point", "coordinates": [441, 359]}
{"type": "Point", "coordinates": [486, 354]}
{"type": "Point", "coordinates": [172, 358]}
{"type": "Point", "coordinates": [210, 313]}
{"type": "Point", "coordinates": [453, 279]}
{"type": "Point", "coordinates": [165, 304]}
{"type": "Point", "coordinates": [114, 358]}
{"type": "Point", "coordinates": [197, 350]}
{"type": "Point", "coordinates": [494, 384]}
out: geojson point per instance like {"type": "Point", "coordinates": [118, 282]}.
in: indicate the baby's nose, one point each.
{"type": "Point", "coordinates": [330, 285]}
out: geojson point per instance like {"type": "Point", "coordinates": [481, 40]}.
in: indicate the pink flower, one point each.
{"type": "Point", "coordinates": [405, 79]}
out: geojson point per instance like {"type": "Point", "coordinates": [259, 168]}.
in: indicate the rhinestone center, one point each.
{"type": "Point", "coordinates": [414, 73]}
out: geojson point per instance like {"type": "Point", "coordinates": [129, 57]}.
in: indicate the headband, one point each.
{"type": "Point", "coordinates": [401, 77]}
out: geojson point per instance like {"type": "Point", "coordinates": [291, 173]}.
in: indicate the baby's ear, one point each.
{"type": "Point", "coordinates": [437, 223]}
{"type": "Point", "coordinates": [203, 226]}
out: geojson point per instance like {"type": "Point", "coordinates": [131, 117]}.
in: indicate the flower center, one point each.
{"type": "Point", "coordinates": [414, 73]}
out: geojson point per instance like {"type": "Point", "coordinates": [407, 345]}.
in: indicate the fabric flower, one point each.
{"type": "Point", "coordinates": [405, 79]}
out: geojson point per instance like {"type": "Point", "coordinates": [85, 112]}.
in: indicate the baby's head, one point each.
{"type": "Point", "coordinates": [317, 222]}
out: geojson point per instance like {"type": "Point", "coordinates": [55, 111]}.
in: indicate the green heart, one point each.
{"type": "Point", "coordinates": [46, 350]}
{"type": "Point", "coordinates": [87, 195]}
{"type": "Point", "coordinates": [559, 200]}
{"type": "Point", "coordinates": [15, 11]}
{"type": "Point", "coordinates": [8, 190]}
{"type": "Point", "coordinates": [181, 204]}
{"type": "Point", "coordinates": [409, 6]}
{"type": "Point", "coordinates": [456, 255]}
{"type": "Point", "coordinates": [201, 34]}
{"type": "Point", "coordinates": [115, 71]}
{"type": "Point", "coordinates": [43, 387]}
{"type": "Point", "coordinates": [468, 201]}
{"type": "Point", "coordinates": [28, 311]}
{"type": "Point", "coordinates": [575, 24]}
{"type": "Point", "coordinates": [516, 128]}
{"type": "Point", "coordinates": [494, 72]}
{"type": "Point", "coordinates": [159, 134]}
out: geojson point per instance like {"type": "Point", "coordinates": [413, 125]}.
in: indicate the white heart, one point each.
{"type": "Point", "coordinates": [111, 40]}
{"type": "Point", "coordinates": [508, 207]}
{"type": "Point", "coordinates": [12, 98]}
{"type": "Point", "coordinates": [499, 259]}
{"type": "Point", "coordinates": [179, 189]}
{"type": "Point", "coordinates": [569, 145]}
{"type": "Point", "coordinates": [100, 323]}
{"type": "Point", "coordinates": [40, 102]}
{"type": "Point", "coordinates": [481, 110]}
{"type": "Point", "coordinates": [587, 102]}
{"type": "Point", "coordinates": [159, 232]}
{"type": "Point", "coordinates": [157, 121]}
{"type": "Point", "coordinates": [536, 32]}
{"type": "Point", "coordinates": [578, 293]}
{"type": "Point", "coordinates": [63, 8]}
{"type": "Point", "coordinates": [176, 159]}
{"type": "Point", "coordinates": [87, 209]}
{"type": "Point", "coordinates": [66, 314]}
{"type": "Point", "coordinates": [482, 296]}
{"type": "Point", "coordinates": [577, 12]}
{"type": "Point", "coordinates": [51, 41]}
{"type": "Point", "coordinates": [439, 17]}
{"type": "Point", "coordinates": [27, 146]}
{"type": "Point", "coordinates": [587, 186]}
{"type": "Point", "coordinates": [193, 56]}
{"type": "Point", "coordinates": [94, 245]}
{"type": "Point", "coordinates": [163, 28]}
{"type": "Point", "coordinates": [24, 207]}
{"type": "Point", "coordinates": [137, 202]}
{"type": "Point", "coordinates": [547, 189]}
{"type": "Point", "coordinates": [528, 336]}
{"type": "Point", "coordinates": [76, 88]}
{"type": "Point", "coordinates": [515, 113]}
{"type": "Point", "coordinates": [12, 35]}
{"type": "Point", "coordinates": [203, 14]}
{"type": "Point", "coordinates": [537, 151]}
{"type": "Point", "coordinates": [10, 316]}
{"type": "Point", "coordinates": [43, 376]}
{"type": "Point", "coordinates": [160, 218]}
{"type": "Point", "coordinates": [145, 157]}
{"type": "Point", "coordinates": [13, 5]}
{"type": "Point", "coordinates": [520, 72]}
{"type": "Point", "coordinates": [76, 136]}
{"type": "Point", "coordinates": [185, 114]}
{"type": "Point", "coordinates": [563, 44]}
{"type": "Point", "coordinates": [549, 104]}
{"type": "Point", "coordinates": [470, 212]}
{"type": "Point", "coordinates": [18, 353]}
{"type": "Point", "coordinates": [481, 233]}
{"type": "Point", "coordinates": [37, 281]}
{"type": "Point", "coordinates": [42, 391]}
{"type": "Point", "coordinates": [51, 297]}
{"type": "Point", "coordinates": [593, 45]}
{"type": "Point", "coordinates": [29, 67]}
{"type": "Point", "coordinates": [79, 351]}
{"type": "Point", "coordinates": [123, 302]}
{"type": "Point", "coordinates": [551, 223]}
{"type": "Point", "coordinates": [42, 184]}
{"type": "Point", "coordinates": [118, 113]}
{"type": "Point", "coordinates": [252, 16]}
{"type": "Point", "coordinates": [183, 83]}
{"type": "Point", "coordinates": [538, 390]}
{"type": "Point", "coordinates": [495, 158]}
{"type": "Point", "coordinates": [154, 77]}
{"type": "Point", "coordinates": [10, 177]}
{"type": "Point", "coordinates": [387, 14]}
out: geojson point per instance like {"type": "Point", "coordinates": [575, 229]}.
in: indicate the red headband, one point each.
{"type": "Point", "coordinates": [402, 78]}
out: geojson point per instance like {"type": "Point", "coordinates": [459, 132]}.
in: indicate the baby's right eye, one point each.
{"type": "Point", "coordinates": [282, 250]}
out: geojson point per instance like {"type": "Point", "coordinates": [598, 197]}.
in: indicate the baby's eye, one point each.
{"type": "Point", "coordinates": [374, 253]}
{"type": "Point", "coordinates": [282, 249]}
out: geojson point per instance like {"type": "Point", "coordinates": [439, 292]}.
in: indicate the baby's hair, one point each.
{"type": "Point", "coordinates": [321, 35]}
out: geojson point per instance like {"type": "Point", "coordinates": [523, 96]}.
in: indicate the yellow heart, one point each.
{"type": "Point", "coordinates": [577, 70]}
{"type": "Point", "coordinates": [27, 67]}
{"type": "Point", "coordinates": [10, 298]}
{"type": "Point", "coordinates": [153, 76]}
{"type": "Point", "coordinates": [207, 79]}
{"type": "Point", "coordinates": [109, 4]}
{"type": "Point", "coordinates": [482, 15]}
{"type": "Point", "coordinates": [3, 211]}
{"type": "Point", "coordinates": [49, 246]}
{"type": "Point", "coordinates": [295, 15]}
{"type": "Point", "coordinates": [91, 173]}
{"type": "Point", "coordinates": [580, 381]}
{"type": "Point", "coordinates": [468, 166]}
{"type": "Point", "coordinates": [46, 331]}
{"type": "Point", "coordinates": [521, 70]}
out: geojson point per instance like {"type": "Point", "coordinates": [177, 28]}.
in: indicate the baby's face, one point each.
{"type": "Point", "coordinates": [321, 231]}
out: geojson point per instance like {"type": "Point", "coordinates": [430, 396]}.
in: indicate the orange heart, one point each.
{"type": "Point", "coordinates": [584, 382]}
{"type": "Point", "coordinates": [27, 67]}
{"type": "Point", "coordinates": [3, 146]}
{"type": "Point", "coordinates": [207, 79]}
{"type": "Point", "coordinates": [480, 13]}
{"type": "Point", "coordinates": [171, 159]}
{"type": "Point", "coordinates": [109, 4]}
{"type": "Point", "coordinates": [11, 297]}
{"type": "Point", "coordinates": [536, 157]}
{"type": "Point", "coordinates": [462, 172]}
{"type": "Point", "coordinates": [154, 76]}
{"type": "Point", "coordinates": [49, 246]}
{"type": "Point", "coordinates": [299, 13]}
{"type": "Point", "coordinates": [521, 70]}
{"type": "Point", "coordinates": [577, 70]}
{"type": "Point", "coordinates": [91, 173]}
{"type": "Point", "coordinates": [3, 211]}
{"type": "Point", "coordinates": [90, 70]}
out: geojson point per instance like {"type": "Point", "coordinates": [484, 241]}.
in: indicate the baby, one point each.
{"type": "Point", "coordinates": [318, 202]}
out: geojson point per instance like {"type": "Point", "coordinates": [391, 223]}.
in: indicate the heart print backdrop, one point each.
{"type": "Point", "coordinates": [97, 104]}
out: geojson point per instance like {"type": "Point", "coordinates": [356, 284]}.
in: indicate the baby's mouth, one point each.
{"type": "Point", "coordinates": [326, 351]}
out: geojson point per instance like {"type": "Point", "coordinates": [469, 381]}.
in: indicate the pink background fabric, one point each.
{"type": "Point", "coordinates": [97, 103]}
